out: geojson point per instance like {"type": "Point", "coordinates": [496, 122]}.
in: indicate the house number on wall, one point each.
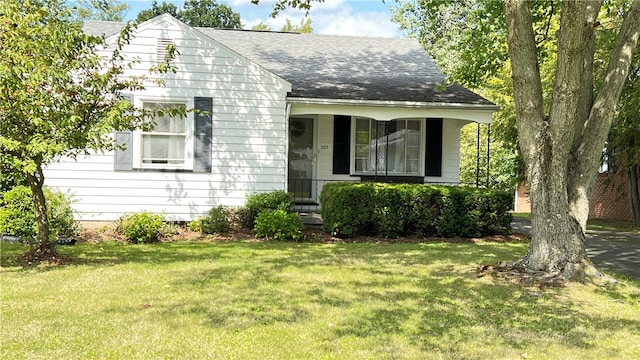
{"type": "Point", "coordinates": [324, 147]}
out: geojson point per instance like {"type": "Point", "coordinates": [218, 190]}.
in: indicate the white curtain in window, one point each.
{"type": "Point", "coordinates": [165, 144]}
{"type": "Point", "coordinates": [163, 149]}
{"type": "Point", "coordinates": [388, 147]}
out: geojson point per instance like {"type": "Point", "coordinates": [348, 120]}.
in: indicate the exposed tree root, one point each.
{"type": "Point", "coordinates": [43, 254]}
{"type": "Point", "coordinates": [517, 272]}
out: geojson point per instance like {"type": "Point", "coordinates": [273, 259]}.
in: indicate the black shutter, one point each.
{"type": "Point", "coordinates": [433, 155]}
{"type": "Point", "coordinates": [123, 158]}
{"type": "Point", "coordinates": [203, 133]}
{"type": "Point", "coordinates": [341, 144]}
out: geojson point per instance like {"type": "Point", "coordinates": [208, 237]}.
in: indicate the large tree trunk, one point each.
{"type": "Point", "coordinates": [44, 247]}
{"type": "Point", "coordinates": [562, 150]}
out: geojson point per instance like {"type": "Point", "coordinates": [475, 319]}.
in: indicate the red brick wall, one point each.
{"type": "Point", "coordinates": [522, 199]}
{"type": "Point", "coordinates": [609, 199]}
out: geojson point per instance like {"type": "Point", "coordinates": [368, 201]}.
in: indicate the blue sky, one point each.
{"type": "Point", "coordinates": [340, 17]}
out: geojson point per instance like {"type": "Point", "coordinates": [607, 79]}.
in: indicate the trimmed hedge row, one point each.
{"type": "Point", "coordinates": [393, 210]}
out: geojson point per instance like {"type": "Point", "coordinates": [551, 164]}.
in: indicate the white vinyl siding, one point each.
{"type": "Point", "coordinates": [248, 144]}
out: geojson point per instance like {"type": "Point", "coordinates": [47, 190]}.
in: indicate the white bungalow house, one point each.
{"type": "Point", "coordinates": [285, 111]}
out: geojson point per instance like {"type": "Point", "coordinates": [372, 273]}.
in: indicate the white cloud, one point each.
{"type": "Point", "coordinates": [375, 24]}
{"type": "Point", "coordinates": [336, 17]}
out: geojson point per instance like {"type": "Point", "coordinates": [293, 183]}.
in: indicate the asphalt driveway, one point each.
{"type": "Point", "coordinates": [613, 250]}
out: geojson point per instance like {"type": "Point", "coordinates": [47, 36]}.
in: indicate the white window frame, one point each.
{"type": "Point", "coordinates": [421, 161]}
{"type": "Point", "coordinates": [189, 137]}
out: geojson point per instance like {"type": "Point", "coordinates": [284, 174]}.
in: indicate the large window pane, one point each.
{"type": "Point", "coordinates": [162, 149]}
{"type": "Point", "coordinates": [388, 147]}
{"type": "Point", "coordinates": [166, 143]}
{"type": "Point", "coordinates": [396, 147]}
{"type": "Point", "coordinates": [362, 145]}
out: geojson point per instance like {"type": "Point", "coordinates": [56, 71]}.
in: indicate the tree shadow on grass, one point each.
{"type": "Point", "coordinates": [426, 293]}
{"type": "Point", "coordinates": [457, 309]}
{"type": "Point", "coordinates": [112, 253]}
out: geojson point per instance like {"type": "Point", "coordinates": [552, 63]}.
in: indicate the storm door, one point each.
{"type": "Point", "coordinates": [301, 159]}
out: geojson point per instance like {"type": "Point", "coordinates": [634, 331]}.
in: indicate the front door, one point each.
{"type": "Point", "coordinates": [301, 159]}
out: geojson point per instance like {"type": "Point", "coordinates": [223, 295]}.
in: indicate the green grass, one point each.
{"type": "Point", "coordinates": [261, 300]}
{"type": "Point", "coordinates": [522, 215]}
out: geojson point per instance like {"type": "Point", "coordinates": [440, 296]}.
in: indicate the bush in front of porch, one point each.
{"type": "Point", "coordinates": [393, 210]}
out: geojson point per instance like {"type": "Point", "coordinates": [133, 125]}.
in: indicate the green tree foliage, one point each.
{"type": "Point", "coordinates": [623, 145]}
{"type": "Point", "coordinates": [208, 13]}
{"type": "Point", "coordinates": [106, 10]}
{"type": "Point", "coordinates": [157, 9]}
{"type": "Point", "coordinates": [449, 30]}
{"type": "Point", "coordinates": [280, 5]}
{"type": "Point", "coordinates": [261, 26]}
{"type": "Point", "coordinates": [201, 13]}
{"type": "Point", "coordinates": [502, 162]}
{"type": "Point", "coordinates": [304, 27]}
{"type": "Point", "coordinates": [58, 96]}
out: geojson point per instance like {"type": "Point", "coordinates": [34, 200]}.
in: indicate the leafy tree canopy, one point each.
{"type": "Point", "coordinates": [156, 10]}
{"type": "Point", "coordinates": [201, 13]}
{"type": "Point", "coordinates": [304, 27]}
{"type": "Point", "coordinates": [105, 10]}
{"type": "Point", "coordinates": [60, 95]}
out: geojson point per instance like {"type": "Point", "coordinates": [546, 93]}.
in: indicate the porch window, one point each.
{"type": "Point", "coordinates": [388, 147]}
{"type": "Point", "coordinates": [167, 142]}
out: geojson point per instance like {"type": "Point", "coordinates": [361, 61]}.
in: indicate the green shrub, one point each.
{"type": "Point", "coordinates": [348, 209]}
{"type": "Point", "coordinates": [10, 180]}
{"type": "Point", "coordinates": [258, 202]}
{"type": "Point", "coordinates": [61, 218]}
{"type": "Point", "coordinates": [279, 224]}
{"type": "Point", "coordinates": [495, 211]}
{"type": "Point", "coordinates": [196, 225]}
{"type": "Point", "coordinates": [457, 213]}
{"type": "Point", "coordinates": [17, 214]}
{"type": "Point", "coordinates": [217, 221]}
{"type": "Point", "coordinates": [424, 209]}
{"type": "Point", "coordinates": [392, 210]}
{"type": "Point", "coordinates": [144, 227]}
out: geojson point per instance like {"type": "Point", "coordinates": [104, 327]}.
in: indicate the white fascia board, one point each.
{"type": "Point", "coordinates": [388, 110]}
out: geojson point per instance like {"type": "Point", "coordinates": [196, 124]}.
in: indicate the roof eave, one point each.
{"type": "Point", "coordinates": [393, 103]}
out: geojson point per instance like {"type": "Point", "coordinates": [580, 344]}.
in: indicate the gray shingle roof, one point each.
{"type": "Point", "coordinates": [98, 28]}
{"type": "Point", "coordinates": [338, 67]}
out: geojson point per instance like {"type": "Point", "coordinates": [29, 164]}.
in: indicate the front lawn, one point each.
{"type": "Point", "coordinates": [263, 300]}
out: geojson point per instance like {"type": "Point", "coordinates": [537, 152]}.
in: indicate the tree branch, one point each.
{"type": "Point", "coordinates": [600, 117]}
{"type": "Point", "coordinates": [527, 85]}
{"type": "Point", "coordinates": [568, 80]}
